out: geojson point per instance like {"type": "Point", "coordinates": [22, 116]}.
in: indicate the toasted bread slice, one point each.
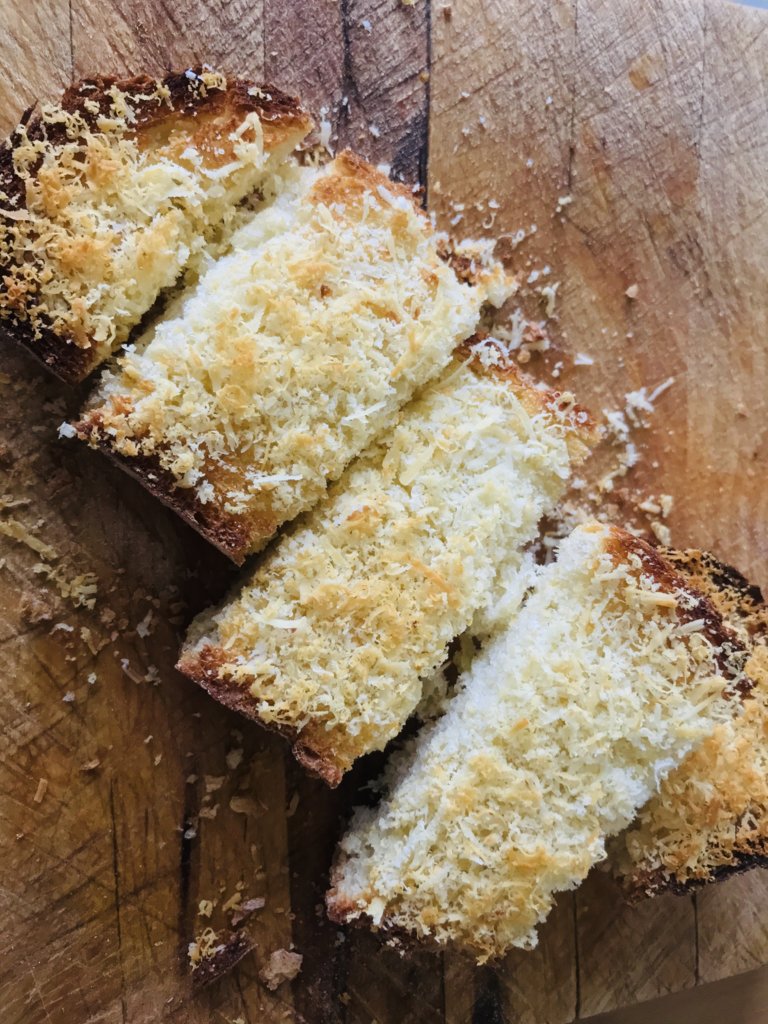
{"type": "Point", "coordinates": [331, 637]}
{"type": "Point", "coordinates": [289, 355]}
{"type": "Point", "coordinates": [709, 820]}
{"type": "Point", "coordinates": [106, 195]}
{"type": "Point", "coordinates": [565, 723]}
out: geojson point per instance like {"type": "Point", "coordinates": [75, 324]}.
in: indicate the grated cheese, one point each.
{"type": "Point", "coordinates": [295, 349]}
{"type": "Point", "coordinates": [563, 727]}
{"type": "Point", "coordinates": [333, 633]}
{"type": "Point", "coordinates": [118, 196]}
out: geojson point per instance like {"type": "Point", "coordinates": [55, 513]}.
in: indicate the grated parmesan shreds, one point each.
{"type": "Point", "coordinates": [710, 816]}
{"type": "Point", "coordinates": [295, 350]}
{"type": "Point", "coordinates": [333, 634]}
{"type": "Point", "coordinates": [563, 727]}
{"type": "Point", "coordinates": [108, 195]}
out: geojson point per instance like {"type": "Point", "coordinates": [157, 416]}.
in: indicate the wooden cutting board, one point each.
{"type": "Point", "coordinates": [635, 137]}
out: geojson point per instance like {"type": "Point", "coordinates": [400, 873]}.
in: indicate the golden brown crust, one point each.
{"type": "Point", "coordinates": [354, 178]}
{"type": "Point", "coordinates": [187, 101]}
{"type": "Point", "coordinates": [205, 667]}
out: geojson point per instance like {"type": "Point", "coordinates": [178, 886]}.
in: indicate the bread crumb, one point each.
{"type": "Point", "coordinates": [234, 758]}
{"type": "Point", "coordinates": [144, 628]}
{"type": "Point", "coordinates": [662, 532]}
{"type": "Point", "coordinates": [632, 292]}
{"type": "Point", "coordinates": [34, 610]}
{"type": "Point", "coordinates": [282, 966]}
{"type": "Point", "coordinates": [213, 782]}
{"type": "Point", "coordinates": [42, 787]}
{"type": "Point", "coordinates": [244, 910]}
{"type": "Point", "coordinates": [245, 805]}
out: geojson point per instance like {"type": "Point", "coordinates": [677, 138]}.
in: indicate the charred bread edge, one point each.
{"type": "Point", "coordinates": [623, 543]}
{"type": "Point", "coordinates": [203, 668]}
{"type": "Point", "coordinates": [58, 352]}
{"type": "Point", "coordinates": [226, 532]}
{"type": "Point", "coordinates": [397, 937]}
{"type": "Point", "coordinates": [654, 883]}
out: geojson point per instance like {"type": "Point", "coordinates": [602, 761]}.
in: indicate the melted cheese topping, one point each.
{"type": "Point", "coordinates": [563, 728]}
{"type": "Point", "coordinates": [295, 349]}
{"type": "Point", "coordinates": [114, 209]}
{"type": "Point", "coordinates": [335, 630]}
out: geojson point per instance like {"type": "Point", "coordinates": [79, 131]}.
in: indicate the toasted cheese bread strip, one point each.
{"type": "Point", "coordinates": [290, 354]}
{"type": "Point", "coordinates": [710, 816]}
{"type": "Point", "coordinates": [332, 635]}
{"type": "Point", "coordinates": [106, 195]}
{"type": "Point", "coordinates": [564, 725]}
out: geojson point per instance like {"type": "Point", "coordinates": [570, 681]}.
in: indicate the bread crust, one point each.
{"type": "Point", "coordinates": [204, 667]}
{"type": "Point", "coordinates": [228, 533]}
{"type": "Point", "coordinates": [89, 98]}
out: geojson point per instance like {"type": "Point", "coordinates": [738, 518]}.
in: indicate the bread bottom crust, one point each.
{"type": "Point", "coordinates": [204, 668]}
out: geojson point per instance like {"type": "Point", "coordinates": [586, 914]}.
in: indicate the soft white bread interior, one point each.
{"type": "Point", "coordinates": [562, 728]}
{"type": "Point", "coordinates": [332, 636]}
{"type": "Point", "coordinates": [106, 196]}
{"type": "Point", "coordinates": [290, 354]}
{"type": "Point", "coordinates": [709, 819]}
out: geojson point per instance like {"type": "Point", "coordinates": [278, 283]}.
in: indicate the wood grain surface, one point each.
{"type": "Point", "coordinates": [635, 138]}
